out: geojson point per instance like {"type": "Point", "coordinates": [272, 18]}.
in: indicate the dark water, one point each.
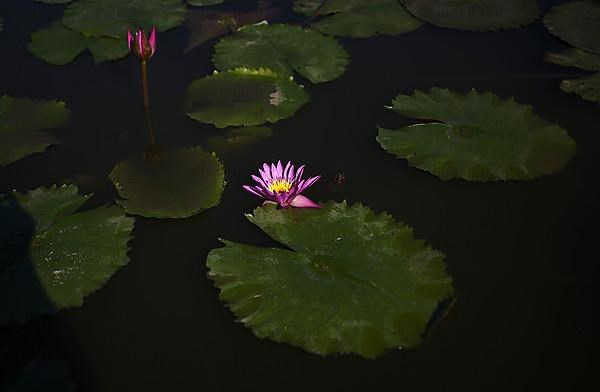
{"type": "Point", "coordinates": [516, 250]}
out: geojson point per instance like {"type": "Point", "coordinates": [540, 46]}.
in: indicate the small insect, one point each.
{"type": "Point", "coordinates": [339, 178]}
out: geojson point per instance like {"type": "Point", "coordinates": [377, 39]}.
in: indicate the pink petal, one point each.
{"type": "Point", "coordinates": [308, 183]}
{"type": "Point", "coordinates": [273, 171]}
{"type": "Point", "coordinates": [279, 169]}
{"type": "Point", "coordinates": [152, 40]}
{"type": "Point", "coordinates": [251, 190]}
{"type": "Point", "coordinates": [299, 173]}
{"type": "Point", "coordinates": [267, 170]}
{"type": "Point", "coordinates": [286, 170]}
{"type": "Point", "coordinates": [259, 181]}
{"type": "Point", "coordinates": [129, 39]}
{"type": "Point", "coordinates": [303, 202]}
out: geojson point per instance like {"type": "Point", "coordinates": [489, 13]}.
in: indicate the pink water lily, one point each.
{"type": "Point", "coordinates": [283, 186]}
{"type": "Point", "coordinates": [141, 45]}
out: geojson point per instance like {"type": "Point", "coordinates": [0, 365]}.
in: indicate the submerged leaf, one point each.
{"type": "Point", "coordinates": [52, 256]}
{"type": "Point", "coordinates": [175, 184]}
{"type": "Point", "coordinates": [576, 22]}
{"type": "Point", "coordinates": [21, 124]}
{"type": "Point", "coordinates": [359, 18]}
{"type": "Point", "coordinates": [587, 88]}
{"type": "Point", "coordinates": [244, 97]}
{"type": "Point", "coordinates": [353, 281]}
{"type": "Point", "coordinates": [283, 49]}
{"type": "Point", "coordinates": [480, 137]}
{"type": "Point", "coordinates": [475, 15]}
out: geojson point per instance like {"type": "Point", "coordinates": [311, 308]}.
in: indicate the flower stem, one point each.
{"type": "Point", "coordinates": [147, 101]}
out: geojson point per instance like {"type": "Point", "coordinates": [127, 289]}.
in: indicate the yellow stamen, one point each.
{"type": "Point", "coordinates": [280, 186]}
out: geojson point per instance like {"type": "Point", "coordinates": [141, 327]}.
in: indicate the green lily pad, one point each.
{"type": "Point", "coordinates": [244, 97]}
{"type": "Point", "coordinates": [283, 49]}
{"type": "Point", "coordinates": [112, 18]}
{"type": "Point", "coordinates": [353, 281]}
{"type": "Point", "coordinates": [588, 87]}
{"type": "Point", "coordinates": [52, 256]}
{"type": "Point", "coordinates": [576, 22]}
{"type": "Point", "coordinates": [360, 19]}
{"type": "Point", "coordinates": [59, 45]}
{"type": "Point", "coordinates": [480, 137]}
{"type": "Point", "coordinates": [176, 184]}
{"type": "Point", "coordinates": [475, 15]}
{"type": "Point", "coordinates": [21, 124]}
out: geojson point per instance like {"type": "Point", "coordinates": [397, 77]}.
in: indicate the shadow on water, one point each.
{"type": "Point", "coordinates": [24, 365]}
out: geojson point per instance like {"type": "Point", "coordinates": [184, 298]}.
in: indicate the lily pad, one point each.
{"type": "Point", "coordinates": [112, 18]}
{"type": "Point", "coordinates": [175, 184]}
{"type": "Point", "coordinates": [475, 15]}
{"type": "Point", "coordinates": [21, 124]}
{"type": "Point", "coordinates": [360, 19]}
{"type": "Point", "coordinates": [54, 256]}
{"type": "Point", "coordinates": [477, 137]}
{"type": "Point", "coordinates": [353, 281]}
{"type": "Point", "coordinates": [588, 87]}
{"type": "Point", "coordinates": [244, 97]}
{"type": "Point", "coordinates": [283, 49]}
{"type": "Point", "coordinates": [307, 7]}
{"type": "Point", "coordinates": [576, 22]}
{"type": "Point", "coordinates": [60, 45]}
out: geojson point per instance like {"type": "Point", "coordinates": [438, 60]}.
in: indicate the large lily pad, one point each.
{"type": "Point", "coordinates": [60, 45]}
{"type": "Point", "coordinates": [588, 87]}
{"type": "Point", "coordinates": [283, 49]}
{"type": "Point", "coordinates": [173, 184]}
{"type": "Point", "coordinates": [576, 22]}
{"type": "Point", "coordinates": [477, 137]}
{"type": "Point", "coordinates": [360, 18]}
{"type": "Point", "coordinates": [112, 18]}
{"type": "Point", "coordinates": [475, 15]}
{"type": "Point", "coordinates": [52, 257]}
{"type": "Point", "coordinates": [244, 97]}
{"type": "Point", "coordinates": [353, 281]}
{"type": "Point", "coordinates": [21, 124]}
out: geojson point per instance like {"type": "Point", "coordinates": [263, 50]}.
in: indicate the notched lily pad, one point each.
{"type": "Point", "coordinates": [477, 137]}
{"type": "Point", "coordinates": [112, 18]}
{"type": "Point", "coordinates": [475, 15]}
{"type": "Point", "coordinates": [22, 122]}
{"type": "Point", "coordinates": [59, 45]}
{"type": "Point", "coordinates": [576, 22]}
{"type": "Point", "coordinates": [54, 256]}
{"type": "Point", "coordinates": [588, 87]}
{"type": "Point", "coordinates": [353, 281]}
{"type": "Point", "coordinates": [361, 19]}
{"type": "Point", "coordinates": [171, 184]}
{"type": "Point", "coordinates": [244, 97]}
{"type": "Point", "coordinates": [283, 49]}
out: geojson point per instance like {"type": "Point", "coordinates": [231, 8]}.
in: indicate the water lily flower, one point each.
{"type": "Point", "coordinates": [141, 45]}
{"type": "Point", "coordinates": [282, 186]}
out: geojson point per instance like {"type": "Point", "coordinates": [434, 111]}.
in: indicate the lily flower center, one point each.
{"type": "Point", "coordinates": [280, 186]}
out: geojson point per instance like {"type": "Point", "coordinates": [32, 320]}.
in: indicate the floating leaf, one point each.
{"type": "Point", "coordinates": [112, 18]}
{"type": "Point", "coordinates": [576, 22]}
{"type": "Point", "coordinates": [21, 124]}
{"type": "Point", "coordinates": [54, 257]}
{"type": "Point", "coordinates": [475, 15]}
{"type": "Point", "coordinates": [59, 45]}
{"type": "Point", "coordinates": [353, 281]}
{"type": "Point", "coordinates": [236, 138]}
{"type": "Point", "coordinates": [283, 49]}
{"type": "Point", "coordinates": [480, 137]}
{"type": "Point", "coordinates": [244, 97]}
{"type": "Point", "coordinates": [359, 18]}
{"type": "Point", "coordinates": [587, 88]}
{"type": "Point", "coordinates": [176, 184]}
